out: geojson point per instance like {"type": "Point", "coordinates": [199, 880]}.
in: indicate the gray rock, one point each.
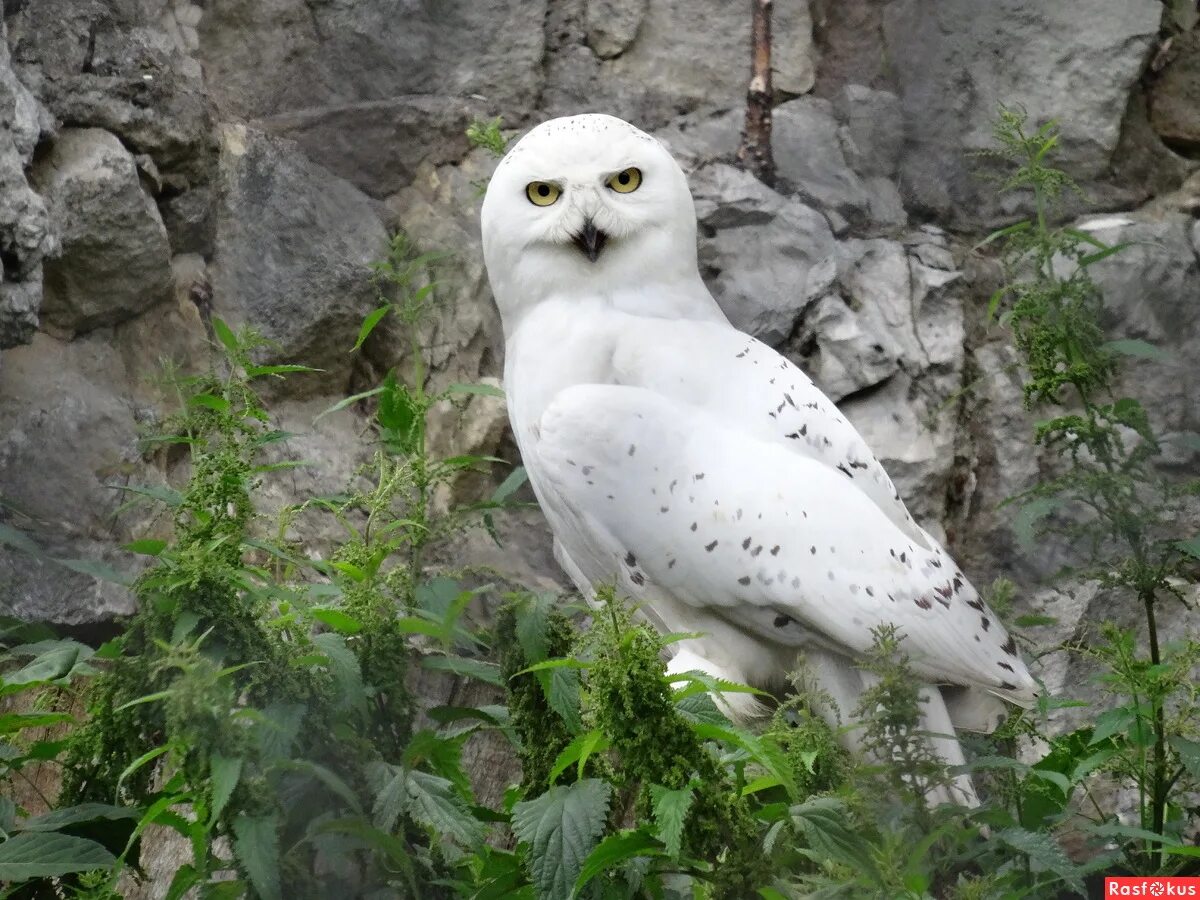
{"type": "Point", "coordinates": [955, 61]}
{"type": "Point", "coordinates": [109, 65]}
{"type": "Point", "coordinates": [67, 439]}
{"type": "Point", "coordinates": [613, 24]}
{"type": "Point", "coordinates": [809, 156]}
{"type": "Point", "coordinates": [267, 57]}
{"type": "Point", "coordinates": [686, 55]}
{"type": "Point", "coordinates": [1175, 94]}
{"type": "Point", "coordinates": [293, 253]}
{"type": "Point", "coordinates": [25, 233]}
{"type": "Point", "coordinates": [761, 253]}
{"type": "Point", "coordinates": [378, 145]}
{"type": "Point", "coordinates": [115, 259]}
{"type": "Point", "coordinates": [872, 132]}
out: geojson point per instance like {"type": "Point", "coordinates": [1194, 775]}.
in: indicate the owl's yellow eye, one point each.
{"type": "Point", "coordinates": [626, 181]}
{"type": "Point", "coordinates": [542, 193]}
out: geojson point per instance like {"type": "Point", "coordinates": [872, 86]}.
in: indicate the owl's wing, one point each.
{"type": "Point", "coordinates": [666, 495]}
{"type": "Point", "coordinates": [748, 385]}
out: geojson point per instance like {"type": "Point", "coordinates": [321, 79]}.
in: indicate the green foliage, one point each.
{"type": "Point", "coordinates": [488, 136]}
{"type": "Point", "coordinates": [1123, 511]}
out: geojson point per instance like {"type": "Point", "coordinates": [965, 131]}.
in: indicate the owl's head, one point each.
{"type": "Point", "coordinates": [586, 205]}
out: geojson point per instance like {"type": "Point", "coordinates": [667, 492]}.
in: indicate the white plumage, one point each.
{"type": "Point", "coordinates": [694, 466]}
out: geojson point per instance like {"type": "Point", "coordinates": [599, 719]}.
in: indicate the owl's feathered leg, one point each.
{"type": "Point", "coordinates": [836, 685]}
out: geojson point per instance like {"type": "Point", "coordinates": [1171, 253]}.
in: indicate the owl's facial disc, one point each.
{"type": "Point", "coordinates": [590, 240]}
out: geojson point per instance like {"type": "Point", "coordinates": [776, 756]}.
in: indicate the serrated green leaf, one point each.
{"type": "Point", "coordinates": [349, 401]}
{"type": "Point", "coordinates": [1043, 851]}
{"type": "Point", "coordinates": [1138, 349]}
{"type": "Point", "coordinates": [210, 401]}
{"type": "Point", "coordinates": [224, 773]}
{"type": "Point", "coordinates": [574, 752]}
{"type": "Point", "coordinates": [53, 663]}
{"type": "Point", "coordinates": [561, 687]}
{"type": "Point", "coordinates": [432, 801]}
{"type": "Point", "coordinates": [161, 493]}
{"type": "Point", "coordinates": [225, 334]}
{"type": "Point", "coordinates": [256, 845]}
{"type": "Point", "coordinates": [184, 879]}
{"type": "Point", "coordinates": [1117, 830]}
{"type": "Point", "coordinates": [461, 665]}
{"type": "Point", "coordinates": [1190, 547]}
{"type": "Point", "coordinates": [46, 854]}
{"type": "Point", "coordinates": [1027, 518]}
{"type": "Point", "coordinates": [443, 755]}
{"type": "Point", "coordinates": [284, 369]}
{"type": "Point", "coordinates": [10, 722]}
{"type": "Point", "coordinates": [616, 848]}
{"type": "Point", "coordinates": [701, 709]}
{"type": "Point", "coordinates": [337, 620]}
{"type": "Point", "coordinates": [532, 616]}
{"type": "Point", "coordinates": [561, 828]}
{"type": "Point", "coordinates": [1111, 722]}
{"type": "Point", "coordinates": [826, 826]}
{"type": "Point", "coordinates": [344, 668]}
{"type": "Point", "coordinates": [57, 819]}
{"type": "Point", "coordinates": [1189, 754]}
{"type": "Point", "coordinates": [374, 317]}
{"type": "Point", "coordinates": [1034, 621]}
{"type": "Point", "coordinates": [146, 546]}
{"type": "Point", "coordinates": [670, 813]}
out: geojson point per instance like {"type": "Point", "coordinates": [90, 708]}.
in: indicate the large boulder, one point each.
{"type": "Point", "coordinates": [956, 61]}
{"type": "Point", "coordinates": [115, 260]}
{"type": "Point", "coordinates": [265, 57]}
{"type": "Point", "coordinates": [294, 251]}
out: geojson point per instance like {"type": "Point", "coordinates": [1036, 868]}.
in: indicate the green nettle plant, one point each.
{"type": "Point", "coordinates": [257, 709]}
{"type": "Point", "coordinates": [1124, 513]}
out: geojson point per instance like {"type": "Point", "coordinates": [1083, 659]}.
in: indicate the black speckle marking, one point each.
{"type": "Point", "coordinates": [890, 597]}
{"type": "Point", "coordinates": [976, 604]}
{"type": "Point", "coordinates": [693, 526]}
{"type": "Point", "coordinates": [610, 497]}
{"type": "Point", "coordinates": [1010, 646]}
{"type": "Point", "coordinates": [775, 550]}
{"type": "Point", "coordinates": [923, 603]}
{"type": "Point", "coordinates": [663, 509]}
{"type": "Point", "coordinates": [740, 355]}
{"type": "Point", "coordinates": [855, 464]}
{"type": "Point", "coordinates": [630, 559]}
{"type": "Point", "coordinates": [587, 470]}
{"type": "Point", "coordinates": [788, 399]}
{"type": "Point", "coordinates": [699, 476]}
{"type": "Point", "coordinates": [845, 471]}
{"type": "Point", "coordinates": [591, 482]}
{"type": "Point", "coordinates": [570, 462]}
{"type": "Point", "coordinates": [936, 563]}
{"type": "Point", "coordinates": [826, 442]}
{"type": "Point", "coordinates": [711, 547]}
{"type": "Point", "coordinates": [782, 621]}
{"type": "Point", "coordinates": [632, 449]}
{"type": "Point", "coordinates": [744, 580]}
{"type": "Point", "coordinates": [671, 563]}
{"type": "Point", "coordinates": [671, 486]}
{"type": "Point", "coordinates": [813, 550]}
{"type": "Point", "coordinates": [746, 544]}
{"type": "Point", "coordinates": [795, 582]}
{"type": "Point", "coordinates": [831, 578]}
{"type": "Point", "coordinates": [1007, 686]}
{"type": "Point", "coordinates": [638, 578]}
{"type": "Point", "coordinates": [1006, 666]}
{"type": "Point", "coordinates": [977, 639]}
{"type": "Point", "coordinates": [870, 593]}
{"type": "Point", "coordinates": [757, 550]}
{"type": "Point", "coordinates": [985, 623]}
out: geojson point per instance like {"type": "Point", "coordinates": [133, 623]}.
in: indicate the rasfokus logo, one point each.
{"type": "Point", "coordinates": [1141, 886]}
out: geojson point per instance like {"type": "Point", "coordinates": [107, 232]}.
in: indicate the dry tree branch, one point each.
{"type": "Point", "coordinates": [754, 153]}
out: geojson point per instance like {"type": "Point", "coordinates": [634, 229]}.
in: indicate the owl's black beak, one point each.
{"type": "Point", "coordinates": [590, 240]}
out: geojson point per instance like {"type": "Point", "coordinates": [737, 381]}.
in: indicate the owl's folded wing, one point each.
{"type": "Point", "coordinates": [744, 382]}
{"type": "Point", "coordinates": [774, 541]}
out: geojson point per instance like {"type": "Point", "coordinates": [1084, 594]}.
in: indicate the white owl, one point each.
{"type": "Point", "coordinates": [696, 468]}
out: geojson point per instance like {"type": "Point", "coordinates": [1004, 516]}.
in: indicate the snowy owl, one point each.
{"type": "Point", "coordinates": [696, 468]}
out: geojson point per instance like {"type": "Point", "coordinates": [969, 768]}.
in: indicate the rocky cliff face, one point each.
{"type": "Point", "coordinates": [165, 160]}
